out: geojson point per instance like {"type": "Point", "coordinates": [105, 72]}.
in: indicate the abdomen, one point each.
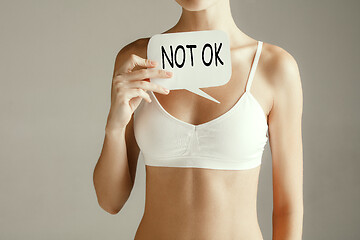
{"type": "Point", "coordinates": [195, 203]}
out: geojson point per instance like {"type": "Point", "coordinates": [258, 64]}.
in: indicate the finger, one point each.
{"type": "Point", "coordinates": [137, 92]}
{"type": "Point", "coordinates": [136, 60]}
{"type": "Point", "coordinates": [149, 86]}
{"type": "Point", "coordinates": [147, 73]}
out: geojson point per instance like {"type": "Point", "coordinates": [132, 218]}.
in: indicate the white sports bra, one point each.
{"type": "Point", "coordinates": [233, 141]}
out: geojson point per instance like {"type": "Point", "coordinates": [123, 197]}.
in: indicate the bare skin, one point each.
{"type": "Point", "coordinates": [192, 203]}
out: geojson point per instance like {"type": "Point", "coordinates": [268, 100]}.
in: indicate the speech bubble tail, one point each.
{"type": "Point", "coordinates": [201, 93]}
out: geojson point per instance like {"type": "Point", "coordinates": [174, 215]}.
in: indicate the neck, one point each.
{"type": "Point", "coordinates": [216, 17]}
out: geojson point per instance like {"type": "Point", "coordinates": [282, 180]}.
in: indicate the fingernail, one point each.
{"type": "Point", "coordinates": [169, 74]}
{"type": "Point", "coordinates": [153, 62]}
{"type": "Point", "coordinates": [166, 90]}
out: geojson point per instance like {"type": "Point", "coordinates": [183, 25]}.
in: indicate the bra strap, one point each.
{"type": "Point", "coordinates": [254, 65]}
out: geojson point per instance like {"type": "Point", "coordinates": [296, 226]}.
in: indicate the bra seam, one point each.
{"type": "Point", "coordinates": [209, 158]}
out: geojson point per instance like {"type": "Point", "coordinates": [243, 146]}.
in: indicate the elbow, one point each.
{"type": "Point", "coordinates": [287, 211]}
{"type": "Point", "coordinates": [295, 207]}
{"type": "Point", "coordinates": [110, 208]}
{"type": "Point", "coordinates": [111, 205]}
{"type": "Point", "coordinates": [288, 223]}
{"type": "Point", "coordinates": [108, 202]}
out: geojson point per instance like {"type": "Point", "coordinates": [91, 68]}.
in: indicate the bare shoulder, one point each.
{"type": "Point", "coordinates": [280, 68]}
{"type": "Point", "coordinates": [282, 73]}
{"type": "Point", "coordinates": [137, 47]}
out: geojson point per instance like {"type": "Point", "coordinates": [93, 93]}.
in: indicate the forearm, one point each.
{"type": "Point", "coordinates": [287, 225]}
{"type": "Point", "coordinates": [111, 176]}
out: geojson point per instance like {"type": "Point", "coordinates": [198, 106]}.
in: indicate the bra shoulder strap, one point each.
{"type": "Point", "coordinates": [254, 65]}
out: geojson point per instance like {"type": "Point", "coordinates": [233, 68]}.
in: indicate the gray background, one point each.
{"type": "Point", "coordinates": [57, 59]}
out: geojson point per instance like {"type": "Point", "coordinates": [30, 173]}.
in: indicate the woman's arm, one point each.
{"type": "Point", "coordinates": [285, 140]}
{"type": "Point", "coordinates": [114, 173]}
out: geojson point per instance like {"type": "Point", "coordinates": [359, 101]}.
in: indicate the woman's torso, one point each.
{"type": "Point", "coordinates": [200, 204]}
{"type": "Point", "coordinates": [197, 203]}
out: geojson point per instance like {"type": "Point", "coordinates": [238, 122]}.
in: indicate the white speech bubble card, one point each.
{"type": "Point", "coordinates": [197, 59]}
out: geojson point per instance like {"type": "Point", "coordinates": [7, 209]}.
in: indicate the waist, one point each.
{"type": "Point", "coordinates": [198, 225]}
{"type": "Point", "coordinates": [201, 201]}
